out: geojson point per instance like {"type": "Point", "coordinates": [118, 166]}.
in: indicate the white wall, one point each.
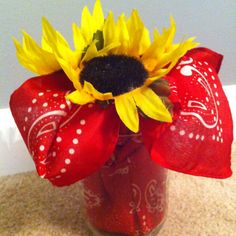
{"type": "Point", "coordinates": [213, 22]}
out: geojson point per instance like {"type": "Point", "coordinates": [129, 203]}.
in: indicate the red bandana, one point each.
{"type": "Point", "coordinates": [69, 142]}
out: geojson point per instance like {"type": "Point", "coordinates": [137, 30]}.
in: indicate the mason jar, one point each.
{"type": "Point", "coordinates": [128, 195]}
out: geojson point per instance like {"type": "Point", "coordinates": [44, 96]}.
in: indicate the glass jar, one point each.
{"type": "Point", "coordinates": [128, 195]}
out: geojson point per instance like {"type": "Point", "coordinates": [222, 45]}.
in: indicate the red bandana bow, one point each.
{"type": "Point", "coordinates": [69, 142]}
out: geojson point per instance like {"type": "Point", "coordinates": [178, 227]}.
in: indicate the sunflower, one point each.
{"type": "Point", "coordinates": [112, 61]}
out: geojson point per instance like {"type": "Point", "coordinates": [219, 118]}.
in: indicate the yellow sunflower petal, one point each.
{"type": "Point", "coordinates": [49, 34]}
{"type": "Point", "coordinates": [73, 57]}
{"type": "Point", "coordinates": [98, 17]}
{"type": "Point", "coordinates": [33, 57]}
{"type": "Point", "coordinates": [161, 45]}
{"type": "Point", "coordinates": [80, 97]}
{"type": "Point", "coordinates": [176, 54]}
{"type": "Point", "coordinates": [110, 30]}
{"type": "Point", "coordinates": [78, 38]}
{"type": "Point", "coordinates": [166, 38]}
{"type": "Point", "coordinates": [22, 58]}
{"type": "Point", "coordinates": [108, 48]}
{"type": "Point", "coordinates": [127, 111]}
{"type": "Point", "coordinates": [88, 87]}
{"type": "Point", "coordinates": [151, 105]}
{"type": "Point", "coordinates": [139, 35]}
{"type": "Point", "coordinates": [90, 53]}
{"type": "Point", "coordinates": [123, 35]}
{"type": "Point", "coordinates": [171, 58]}
{"type": "Point", "coordinates": [162, 55]}
{"type": "Point", "coordinates": [47, 29]}
{"type": "Point", "coordinates": [45, 45]}
{"type": "Point", "coordinates": [87, 25]}
{"type": "Point", "coordinates": [71, 73]}
{"type": "Point", "coordinates": [170, 33]}
{"type": "Point", "coordinates": [59, 44]}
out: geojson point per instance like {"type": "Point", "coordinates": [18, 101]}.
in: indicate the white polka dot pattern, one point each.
{"type": "Point", "coordinates": [57, 132]}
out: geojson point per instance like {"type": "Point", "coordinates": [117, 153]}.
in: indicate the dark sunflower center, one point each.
{"type": "Point", "coordinates": [116, 73]}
